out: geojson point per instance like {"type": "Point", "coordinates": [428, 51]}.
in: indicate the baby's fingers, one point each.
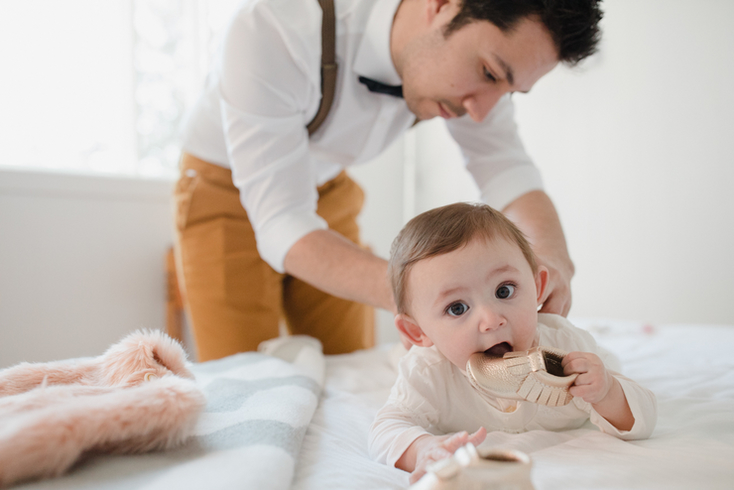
{"type": "Point", "coordinates": [455, 441]}
{"type": "Point", "coordinates": [575, 362]}
{"type": "Point", "coordinates": [417, 475]}
{"type": "Point", "coordinates": [478, 437]}
{"type": "Point", "coordinates": [588, 393]}
{"type": "Point", "coordinates": [435, 454]}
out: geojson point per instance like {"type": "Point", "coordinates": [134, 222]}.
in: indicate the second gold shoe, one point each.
{"type": "Point", "coordinates": [534, 375]}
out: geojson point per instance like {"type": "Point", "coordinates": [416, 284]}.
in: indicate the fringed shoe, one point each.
{"type": "Point", "coordinates": [478, 469]}
{"type": "Point", "coordinates": [534, 375]}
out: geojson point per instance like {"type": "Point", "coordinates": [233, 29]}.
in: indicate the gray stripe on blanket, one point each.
{"type": "Point", "coordinates": [227, 395]}
{"type": "Point", "coordinates": [231, 362]}
{"type": "Point", "coordinates": [250, 433]}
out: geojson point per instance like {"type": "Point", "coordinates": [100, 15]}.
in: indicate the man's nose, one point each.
{"type": "Point", "coordinates": [480, 103]}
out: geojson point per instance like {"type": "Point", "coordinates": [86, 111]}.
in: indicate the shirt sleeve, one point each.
{"type": "Point", "coordinates": [265, 109]}
{"type": "Point", "coordinates": [494, 155]}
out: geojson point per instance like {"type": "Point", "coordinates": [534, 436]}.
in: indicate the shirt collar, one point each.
{"type": "Point", "coordinates": [373, 59]}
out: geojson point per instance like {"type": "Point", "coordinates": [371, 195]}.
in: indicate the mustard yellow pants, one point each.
{"type": "Point", "coordinates": [234, 299]}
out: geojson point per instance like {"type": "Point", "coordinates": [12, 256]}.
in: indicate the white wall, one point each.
{"type": "Point", "coordinates": [385, 181]}
{"type": "Point", "coordinates": [636, 150]}
{"type": "Point", "coordinates": [81, 262]}
{"type": "Point", "coordinates": [82, 257]}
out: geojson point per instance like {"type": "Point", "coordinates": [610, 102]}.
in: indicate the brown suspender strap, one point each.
{"type": "Point", "coordinates": [328, 64]}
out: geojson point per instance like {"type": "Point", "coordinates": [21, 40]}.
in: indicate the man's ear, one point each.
{"type": "Point", "coordinates": [434, 7]}
{"type": "Point", "coordinates": [541, 281]}
{"type": "Point", "coordinates": [410, 329]}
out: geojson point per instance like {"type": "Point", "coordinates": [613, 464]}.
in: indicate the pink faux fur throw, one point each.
{"type": "Point", "coordinates": [136, 397]}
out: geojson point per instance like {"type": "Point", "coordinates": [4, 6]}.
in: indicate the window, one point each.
{"type": "Point", "coordinates": [102, 86]}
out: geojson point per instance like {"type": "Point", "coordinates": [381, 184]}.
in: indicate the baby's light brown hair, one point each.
{"type": "Point", "coordinates": [443, 230]}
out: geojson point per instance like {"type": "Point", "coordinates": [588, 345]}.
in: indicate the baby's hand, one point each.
{"type": "Point", "coordinates": [435, 448]}
{"type": "Point", "coordinates": [593, 382]}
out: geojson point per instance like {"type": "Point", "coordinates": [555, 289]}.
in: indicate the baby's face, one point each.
{"type": "Point", "coordinates": [479, 298]}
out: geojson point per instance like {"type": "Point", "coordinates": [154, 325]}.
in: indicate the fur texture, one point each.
{"type": "Point", "coordinates": [138, 396]}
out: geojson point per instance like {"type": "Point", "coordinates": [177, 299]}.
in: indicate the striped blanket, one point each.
{"type": "Point", "coordinates": [259, 405]}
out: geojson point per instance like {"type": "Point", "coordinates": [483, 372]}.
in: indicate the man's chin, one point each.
{"type": "Point", "coordinates": [420, 112]}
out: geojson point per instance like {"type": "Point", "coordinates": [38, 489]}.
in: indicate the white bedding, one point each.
{"type": "Point", "coordinates": [690, 368]}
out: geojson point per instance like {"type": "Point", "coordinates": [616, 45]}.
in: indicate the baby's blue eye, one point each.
{"type": "Point", "coordinates": [505, 291]}
{"type": "Point", "coordinates": [457, 309]}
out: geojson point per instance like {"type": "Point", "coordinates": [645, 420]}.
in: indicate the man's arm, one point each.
{"type": "Point", "coordinates": [536, 216]}
{"type": "Point", "coordinates": [333, 264]}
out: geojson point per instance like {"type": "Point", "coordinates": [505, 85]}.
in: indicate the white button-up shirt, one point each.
{"type": "Point", "coordinates": [266, 87]}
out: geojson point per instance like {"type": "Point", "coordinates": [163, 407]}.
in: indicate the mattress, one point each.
{"type": "Point", "coordinates": [689, 367]}
{"type": "Point", "coordinates": [324, 406]}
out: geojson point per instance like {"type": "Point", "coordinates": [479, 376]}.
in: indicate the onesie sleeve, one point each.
{"type": "Point", "coordinates": [644, 407]}
{"type": "Point", "coordinates": [409, 412]}
{"type": "Point", "coordinates": [558, 332]}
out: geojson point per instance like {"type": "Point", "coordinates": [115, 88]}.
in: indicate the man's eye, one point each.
{"type": "Point", "coordinates": [457, 309]}
{"type": "Point", "coordinates": [505, 291]}
{"type": "Point", "coordinates": [488, 75]}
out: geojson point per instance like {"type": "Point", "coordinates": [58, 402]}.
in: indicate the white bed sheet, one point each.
{"type": "Point", "coordinates": [689, 367]}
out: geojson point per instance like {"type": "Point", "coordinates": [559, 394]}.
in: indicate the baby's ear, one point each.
{"type": "Point", "coordinates": [541, 281]}
{"type": "Point", "coordinates": [408, 327]}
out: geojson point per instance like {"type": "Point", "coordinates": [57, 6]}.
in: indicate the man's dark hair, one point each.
{"type": "Point", "coordinates": [573, 24]}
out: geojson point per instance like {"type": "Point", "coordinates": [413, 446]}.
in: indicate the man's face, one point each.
{"type": "Point", "coordinates": [479, 298]}
{"type": "Point", "coordinates": [469, 71]}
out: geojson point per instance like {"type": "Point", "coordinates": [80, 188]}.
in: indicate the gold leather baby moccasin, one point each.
{"type": "Point", "coordinates": [478, 469]}
{"type": "Point", "coordinates": [535, 375]}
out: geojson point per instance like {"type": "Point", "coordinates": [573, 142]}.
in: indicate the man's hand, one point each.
{"type": "Point", "coordinates": [428, 449]}
{"type": "Point", "coordinates": [557, 295]}
{"type": "Point", "coordinates": [536, 217]}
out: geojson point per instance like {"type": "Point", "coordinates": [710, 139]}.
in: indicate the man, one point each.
{"type": "Point", "coordinates": [277, 235]}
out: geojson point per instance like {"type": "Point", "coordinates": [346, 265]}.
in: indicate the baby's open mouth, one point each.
{"type": "Point", "coordinates": [498, 350]}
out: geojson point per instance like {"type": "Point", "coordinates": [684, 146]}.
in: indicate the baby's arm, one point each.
{"type": "Point", "coordinates": [596, 386]}
{"type": "Point", "coordinates": [428, 449]}
{"type": "Point", "coordinates": [398, 437]}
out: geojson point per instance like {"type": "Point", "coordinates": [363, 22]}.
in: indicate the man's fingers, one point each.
{"type": "Point", "coordinates": [556, 303]}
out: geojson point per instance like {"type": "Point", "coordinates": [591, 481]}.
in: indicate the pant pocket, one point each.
{"type": "Point", "coordinates": [182, 196]}
{"type": "Point", "coordinates": [202, 199]}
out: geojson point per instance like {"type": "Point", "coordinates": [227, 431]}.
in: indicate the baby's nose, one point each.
{"type": "Point", "coordinates": [491, 320]}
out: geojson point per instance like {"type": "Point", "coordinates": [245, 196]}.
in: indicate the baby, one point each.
{"type": "Point", "coordinates": [465, 281]}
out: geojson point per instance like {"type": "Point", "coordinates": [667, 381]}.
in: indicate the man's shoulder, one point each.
{"type": "Point", "coordinates": [297, 18]}
{"type": "Point", "coordinates": [286, 6]}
